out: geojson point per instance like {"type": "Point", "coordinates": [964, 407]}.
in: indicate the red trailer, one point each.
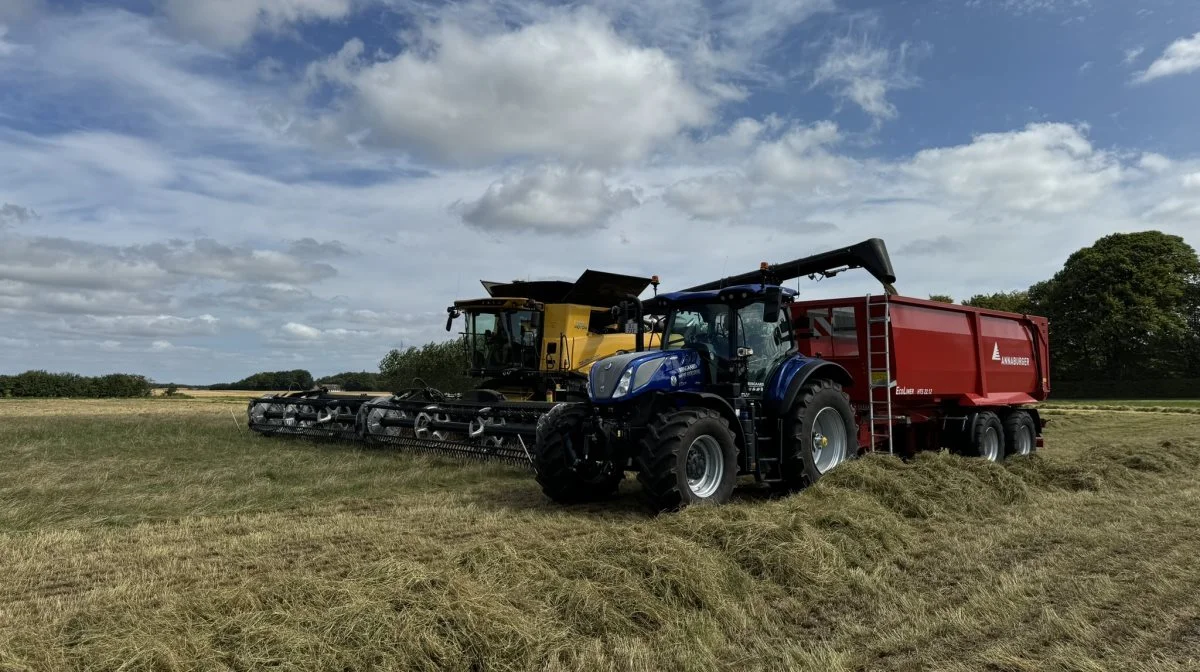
{"type": "Point", "coordinates": [940, 375]}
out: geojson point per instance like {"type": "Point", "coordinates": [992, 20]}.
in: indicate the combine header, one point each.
{"type": "Point", "coordinates": [530, 344]}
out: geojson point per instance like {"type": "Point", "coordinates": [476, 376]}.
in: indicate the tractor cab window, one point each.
{"type": "Point", "coordinates": [769, 341]}
{"type": "Point", "coordinates": [702, 327]}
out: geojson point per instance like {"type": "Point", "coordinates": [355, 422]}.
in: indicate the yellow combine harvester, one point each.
{"type": "Point", "coordinates": [531, 345]}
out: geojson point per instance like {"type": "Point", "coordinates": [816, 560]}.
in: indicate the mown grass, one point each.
{"type": "Point", "coordinates": [158, 536]}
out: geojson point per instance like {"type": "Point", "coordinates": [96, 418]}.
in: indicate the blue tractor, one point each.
{"type": "Point", "coordinates": [724, 394]}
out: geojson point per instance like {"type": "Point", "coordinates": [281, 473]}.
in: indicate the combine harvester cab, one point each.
{"type": "Point", "coordinates": [531, 344]}
{"type": "Point", "coordinates": [747, 381]}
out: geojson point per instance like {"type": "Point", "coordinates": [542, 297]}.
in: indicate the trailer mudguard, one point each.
{"type": "Point", "coordinates": [792, 374]}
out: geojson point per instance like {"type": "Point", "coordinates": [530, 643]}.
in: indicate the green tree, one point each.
{"type": "Point", "coordinates": [941, 298]}
{"type": "Point", "coordinates": [441, 365]}
{"type": "Point", "coordinates": [1011, 302]}
{"type": "Point", "coordinates": [1124, 308]}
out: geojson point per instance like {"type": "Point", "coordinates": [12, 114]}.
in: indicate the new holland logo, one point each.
{"type": "Point", "coordinates": [1007, 361]}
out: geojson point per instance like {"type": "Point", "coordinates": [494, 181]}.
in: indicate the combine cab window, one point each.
{"type": "Point", "coordinates": [507, 340]}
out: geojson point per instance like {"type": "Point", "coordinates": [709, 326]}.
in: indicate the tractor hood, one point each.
{"type": "Point", "coordinates": [632, 374]}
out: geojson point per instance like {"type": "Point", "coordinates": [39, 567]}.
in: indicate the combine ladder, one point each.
{"type": "Point", "coordinates": [879, 371]}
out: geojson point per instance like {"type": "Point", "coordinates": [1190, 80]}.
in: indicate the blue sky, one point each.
{"type": "Point", "coordinates": [200, 189]}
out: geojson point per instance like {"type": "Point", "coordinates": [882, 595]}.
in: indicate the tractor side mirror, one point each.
{"type": "Point", "coordinates": [772, 304]}
{"type": "Point", "coordinates": [453, 313]}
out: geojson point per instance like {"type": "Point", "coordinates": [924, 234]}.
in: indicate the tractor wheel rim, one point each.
{"type": "Point", "coordinates": [1024, 441]}
{"type": "Point", "coordinates": [705, 466]}
{"type": "Point", "coordinates": [828, 439]}
{"type": "Point", "coordinates": [991, 444]}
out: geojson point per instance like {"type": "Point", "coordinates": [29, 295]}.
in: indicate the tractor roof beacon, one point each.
{"type": "Point", "coordinates": [726, 393]}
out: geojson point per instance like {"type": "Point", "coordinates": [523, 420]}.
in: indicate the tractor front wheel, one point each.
{"type": "Point", "coordinates": [564, 469]}
{"type": "Point", "coordinates": [687, 457]}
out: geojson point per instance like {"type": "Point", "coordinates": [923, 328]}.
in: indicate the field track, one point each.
{"type": "Point", "coordinates": [158, 534]}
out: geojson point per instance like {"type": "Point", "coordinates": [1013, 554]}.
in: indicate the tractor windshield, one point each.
{"type": "Point", "coordinates": [503, 340]}
{"type": "Point", "coordinates": [703, 327]}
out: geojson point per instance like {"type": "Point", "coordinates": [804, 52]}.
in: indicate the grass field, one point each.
{"type": "Point", "coordinates": [158, 535]}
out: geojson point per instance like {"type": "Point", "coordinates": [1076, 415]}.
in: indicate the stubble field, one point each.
{"type": "Point", "coordinates": [158, 534]}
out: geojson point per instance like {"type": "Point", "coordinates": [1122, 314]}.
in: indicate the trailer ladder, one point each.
{"type": "Point", "coordinates": [879, 371]}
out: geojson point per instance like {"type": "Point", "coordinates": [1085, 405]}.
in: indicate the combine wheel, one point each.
{"type": "Point", "coordinates": [986, 438]}
{"type": "Point", "coordinates": [822, 431]}
{"type": "Point", "coordinates": [563, 475]}
{"type": "Point", "coordinates": [687, 457]}
{"type": "Point", "coordinates": [1020, 434]}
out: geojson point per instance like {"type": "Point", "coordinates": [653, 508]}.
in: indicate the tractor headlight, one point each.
{"type": "Point", "coordinates": [623, 384]}
{"type": "Point", "coordinates": [636, 376]}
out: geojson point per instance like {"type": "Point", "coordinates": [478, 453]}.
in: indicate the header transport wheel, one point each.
{"type": "Point", "coordinates": [687, 457]}
{"type": "Point", "coordinates": [819, 433]}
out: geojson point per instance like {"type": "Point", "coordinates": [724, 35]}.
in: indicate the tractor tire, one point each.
{"type": "Point", "coordinates": [1020, 434]}
{"type": "Point", "coordinates": [562, 477]}
{"type": "Point", "coordinates": [985, 438]}
{"type": "Point", "coordinates": [687, 457]}
{"type": "Point", "coordinates": [821, 413]}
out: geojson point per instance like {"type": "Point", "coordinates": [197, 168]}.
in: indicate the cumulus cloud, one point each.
{"type": "Point", "coordinates": [567, 87]}
{"type": "Point", "coordinates": [548, 199]}
{"type": "Point", "coordinates": [15, 215]}
{"type": "Point", "coordinates": [1049, 168]}
{"type": "Point", "coordinates": [231, 23]}
{"type": "Point", "coordinates": [712, 197]}
{"type": "Point", "coordinates": [1181, 57]}
{"type": "Point", "coordinates": [144, 326]}
{"type": "Point", "coordinates": [801, 158]}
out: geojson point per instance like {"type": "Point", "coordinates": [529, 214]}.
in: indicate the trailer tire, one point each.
{"type": "Point", "coordinates": [1020, 434]}
{"type": "Point", "coordinates": [985, 438]}
{"type": "Point", "coordinates": [802, 465]}
{"type": "Point", "coordinates": [687, 457]}
{"type": "Point", "coordinates": [558, 433]}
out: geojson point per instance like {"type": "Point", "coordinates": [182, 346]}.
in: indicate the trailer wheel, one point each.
{"type": "Point", "coordinates": [986, 438]}
{"type": "Point", "coordinates": [687, 457]}
{"type": "Point", "coordinates": [1020, 434]}
{"type": "Point", "coordinates": [821, 433]}
{"type": "Point", "coordinates": [564, 477]}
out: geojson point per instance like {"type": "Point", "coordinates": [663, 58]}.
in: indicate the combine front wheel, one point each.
{"type": "Point", "coordinates": [687, 457]}
{"type": "Point", "coordinates": [564, 470]}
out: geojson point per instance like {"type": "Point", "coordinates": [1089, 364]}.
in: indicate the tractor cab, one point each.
{"type": "Point", "coordinates": [741, 333]}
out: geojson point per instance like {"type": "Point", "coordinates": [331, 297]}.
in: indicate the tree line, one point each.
{"type": "Point", "coordinates": [39, 383]}
{"type": "Point", "coordinates": [1124, 316]}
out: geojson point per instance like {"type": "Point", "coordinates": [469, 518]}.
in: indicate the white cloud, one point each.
{"type": "Point", "coordinates": [548, 199]}
{"type": "Point", "coordinates": [1050, 168]}
{"type": "Point", "coordinates": [801, 158]}
{"type": "Point", "coordinates": [713, 197]}
{"type": "Point", "coordinates": [1132, 54]}
{"type": "Point", "coordinates": [302, 331]}
{"type": "Point", "coordinates": [143, 326]}
{"type": "Point", "coordinates": [1192, 180]}
{"type": "Point", "coordinates": [862, 72]}
{"type": "Point", "coordinates": [1180, 58]}
{"type": "Point", "coordinates": [1155, 163]}
{"type": "Point", "coordinates": [568, 87]}
{"type": "Point", "coordinates": [231, 23]}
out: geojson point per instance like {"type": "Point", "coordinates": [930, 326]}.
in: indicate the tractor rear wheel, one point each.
{"type": "Point", "coordinates": [820, 433]}
{"type": "Point", "coordinates": [687, 457]}
{"type": "Point", "coordinates": [1020, 434]}
{"type": "Point", "coordinates": [985, 438]}
{"type": "Point", "coordinates": [562, 470]}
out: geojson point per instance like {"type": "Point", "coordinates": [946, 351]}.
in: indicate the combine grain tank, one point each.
{"type": "Point", "coordinates": [929, 374]}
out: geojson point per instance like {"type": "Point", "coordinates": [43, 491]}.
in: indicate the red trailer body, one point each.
{"type": "Point", "coordinates": [915, 362]}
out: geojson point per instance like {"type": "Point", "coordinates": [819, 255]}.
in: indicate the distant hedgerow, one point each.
{"type": "Point", "coordinates": [44, 384]}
